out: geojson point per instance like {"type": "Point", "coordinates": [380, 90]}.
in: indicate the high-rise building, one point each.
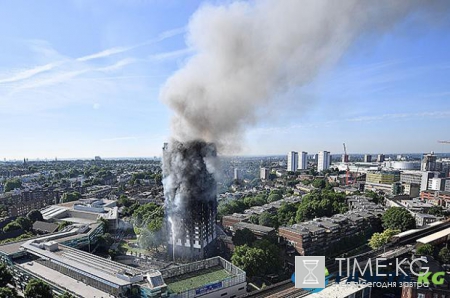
{"type": "Point", "coordinates": [292, 162]}
{"type": "Point", "coordinates": [344, 157]}
{"type": "Point", "coordinates": [324, 161]}
{"type": "Point", "coordinates": [303, 160]}
{"type": "Point", "coordinates": [264, 173]}
{"type": "Point", "coordinates": [237, 174]}
{"type": "Point", "coordinates": [190, 192]}
{"type": "Point", "coordinates": [381, 158]}
{"type": "Point", "coordinates": [429, 162]}
{"type": "Point", "coordinates": [367, 158]}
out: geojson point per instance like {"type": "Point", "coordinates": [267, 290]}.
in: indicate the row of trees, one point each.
{"type": "Point", "coordinates": [70, 197]}
{"type": "Point", "coordinates": [320, 204]}
{"type": "Point", "coordinates": [12, 184]}
{"type": "Point", "coordinates": [148, 221]}
{"type": "Point", "coordinates": [257, 257]}
{"type": "Point", "coordinates": [239, 205]}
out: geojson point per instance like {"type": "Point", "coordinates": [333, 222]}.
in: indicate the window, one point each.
{"type": "Point", "coordinates": [224, 294]}
{"type": "Point", "coordinates": [240, 289]}
{"type": "Point", "coordinates": [420, 295]}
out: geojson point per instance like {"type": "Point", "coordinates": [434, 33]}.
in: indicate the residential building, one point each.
{"type": "Point", "coordinates": [264, 173]}
{"type": "Point", "coordinates": [439, 184]}
{"type": "Point", "coordinates": [303, 160]}
{"type": "Point", "coordinates": [292, 161]}
{"type": "Point", "coordinates": [367, 158]}
{"type": "Point", "coordinates": [380, 158]}
{"type": "Point", "coordinates": [237, 174]}
{"type": "Point", "coordinates": [319, 235]}
{"type": "Point", "coordinates": [429, 162]}
{"type": "Point", "coordinates": [324, 161]}
{"type": "Point", "coordinates": [426, 176]}
{"type": "Point", "coordinates": [441, 198]}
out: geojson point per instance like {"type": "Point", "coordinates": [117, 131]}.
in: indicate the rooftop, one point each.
{"type": "Point", "coordinates": [196, 279]}
{"type": "Point", "coordinates": [434, 236]}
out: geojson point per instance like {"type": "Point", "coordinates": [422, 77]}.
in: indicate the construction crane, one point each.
{"type": "Point", "coordinates": [346, 163]}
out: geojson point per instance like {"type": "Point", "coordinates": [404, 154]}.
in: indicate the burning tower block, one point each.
{"type": "Point", "coordinates": [190, 192]}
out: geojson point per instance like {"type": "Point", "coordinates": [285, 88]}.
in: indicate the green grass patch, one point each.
{"type": "Point", "coordinates": [196, 279]}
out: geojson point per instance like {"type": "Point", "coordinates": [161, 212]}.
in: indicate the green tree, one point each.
{"type": "Point", "coordinates": [105, 241]}
{"type": "Point", "coordinates": [319, 183]}
{"type": "Point", "coordinates": [444, 255]}
{"type": "Point", "coordinates": [376, 198]}
{"type": "Point", "coordinates": [379, 240]}
{"type": "Point", "coordinates": [124, 201]}
{"type": "Point", "coordinates": [274, 197]}
{"type": "Point", "coordinates": [272, 255]}
{"type": "Point", "coordinates": [436, 211]}
{"type": "Point", "coordinates": [425, 250]}
{"type": "Point", "coordinates": [66, 295]}
{"type": "Point", "coordinates": [251, 260]}
{"type": "Point", "coordinates": [397, 218]}
{"type": "Point", "coordinates": [12, 226]}
{"type": "Point", "coordinates": [37, 289]}
{"type": "Point", "coordinates": [12, 184]}
{"type": "Point", "coordinates": [286, 214]}
{"type": "Point", "coordinates": [24, 223]}
{"type": "Point", "coordinates": [70, 197]}
{"type": "Point", "coordinates": [35, 215]}
{"type": "Point", "coordinates": [8, 293]}
{"type": "Point", "coordinates": [243, 236]}
{"type": "Point", "coordinates": [268, 220]}
{"type": "Point", "coordinates": [5, 275]}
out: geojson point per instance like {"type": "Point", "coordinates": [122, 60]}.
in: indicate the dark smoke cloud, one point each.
{"type": "Point", "coordinates": [247, 52]}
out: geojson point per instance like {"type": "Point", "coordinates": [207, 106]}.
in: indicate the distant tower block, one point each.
{"type": "Point", "coordinates": [367, 158]}
{"type": "Point", "coordinates": [303, 160]}
{"type": "Point", "coordinates": [324, 161]}
{"type": "Point", "coordinates": [292, 161]}
{"type": "Point", "coordinates": [191, 199]}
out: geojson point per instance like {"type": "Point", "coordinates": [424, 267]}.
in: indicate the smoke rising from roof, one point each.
{"type": "Point", "coordinates": [247, 52]}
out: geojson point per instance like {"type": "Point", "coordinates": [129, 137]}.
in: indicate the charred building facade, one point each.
{"type": "Point", "coordinates": [190, 192]}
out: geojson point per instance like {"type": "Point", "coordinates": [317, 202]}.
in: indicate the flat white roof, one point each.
{"type": "Point", "coordinates": [64, 281]}
{"type": "Point", "coordinates": [434, 237]}
{"type": "Point", "coordinates": [338, 290]}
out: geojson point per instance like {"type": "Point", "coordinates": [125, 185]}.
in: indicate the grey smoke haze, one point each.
{"type": "Point", "coordinates": [247, 52]}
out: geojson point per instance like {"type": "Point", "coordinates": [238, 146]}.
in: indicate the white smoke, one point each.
{"type": "Point", "coordinates": [247, 52]}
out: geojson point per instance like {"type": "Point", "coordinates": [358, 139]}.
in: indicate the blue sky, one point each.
{"type": "Point", "coordinates": [82, 78]}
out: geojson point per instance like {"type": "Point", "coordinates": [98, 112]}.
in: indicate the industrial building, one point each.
{"type": "Point", "coordinates": [56, 259]}
{"type": "Point", "coordinates": [84, 211]}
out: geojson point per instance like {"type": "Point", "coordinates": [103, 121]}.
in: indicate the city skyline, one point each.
{"type": "Point", "coordinates": [72, 89]}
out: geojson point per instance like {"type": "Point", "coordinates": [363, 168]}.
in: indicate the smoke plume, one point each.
{"type": "Point", "coordinates": [247, 52]}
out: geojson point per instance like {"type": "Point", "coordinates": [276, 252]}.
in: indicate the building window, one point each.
{"type": "Point", "coordinates": [224, 294]}
{"type": "Point", "coordinates": [420, 295]}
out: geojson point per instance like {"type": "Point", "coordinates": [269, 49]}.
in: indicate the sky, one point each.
{"type": "Point", "coordinates": [82, 78]}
